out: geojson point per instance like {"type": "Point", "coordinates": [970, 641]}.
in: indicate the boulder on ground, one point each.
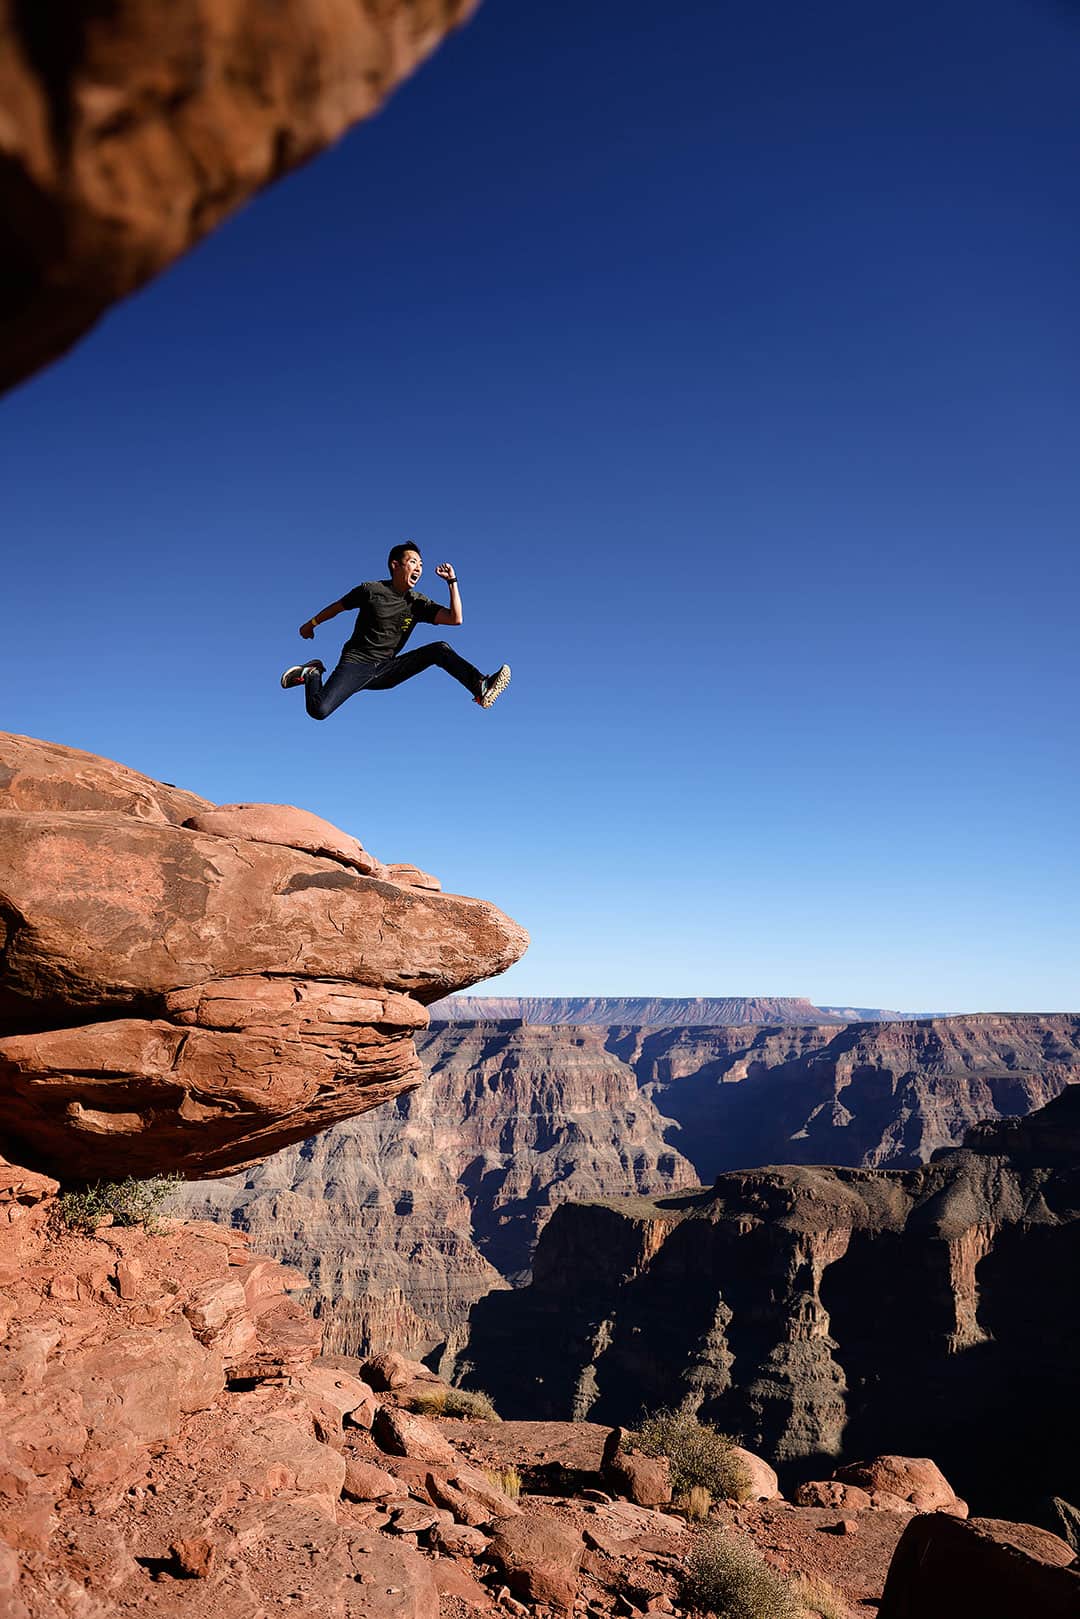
{"type": "Point", "coordinates": [389, 1372]}
{"type": "Point", "coordinates": [401, 1433]}
{"type": "Point", "coordinates": [945, 1567]}
{"type": "Point", "coordinates": [913, 1478]}
{"type": "Point", "coordinates": [829, 1492]}
{"type": "Point", "coordinates": [364, 1481]}
{"type": "Point", "coordinates": [538, 1559]}
{"type": "Point", "coordinates": [762, 1482]}
{"type": "Point", "coordinates": [645, 1480]}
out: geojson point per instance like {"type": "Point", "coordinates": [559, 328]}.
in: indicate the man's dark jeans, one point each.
{"type": "Point", "coordinates": [370, 674]}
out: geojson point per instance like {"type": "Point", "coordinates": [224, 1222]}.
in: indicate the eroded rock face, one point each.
{"type": "Point", "coordinates": [131, 130]}
{"type": "Point", "coordinates": [175, 998]}
{"type": "Point", "coordinates": [821, 1312]}
{"type": "Point", "coordinates": [405, 1217]}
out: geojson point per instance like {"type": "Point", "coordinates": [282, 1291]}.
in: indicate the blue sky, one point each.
{"type": "Point", "coordinates": [731, 356]}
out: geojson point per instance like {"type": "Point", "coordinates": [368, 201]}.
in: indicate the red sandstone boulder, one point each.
{"type": "Point", "coordinates": [40, 776]}
{"type": "Point", "coordinates": [288, 826]}
{"type": "Point", "coordinates": [412, 877]}
{"type": "Point", "coordinates": [538, 1558]}
{"type": "Point", "coordinates": [914, 1479]}
{"type": "Point", "coordinates": [644, 1480]}
{"type": "Point", "coordinates": [403, 1434]}
{"type": "Point", "coordinates": [174, 998]}
{"type": "Point", "coordinates": [945, 1567]}
{"type": "Point", "coordinates": [762, 1483]}
{"type": "Point", "coordinates": [829, 1492]}
{"type": "Point", "coordinates": [336, 1400]}
{"type": "Point", "coordinates": [366, 1482]}
{"type": "Point", "coordinates": [392, 1372]}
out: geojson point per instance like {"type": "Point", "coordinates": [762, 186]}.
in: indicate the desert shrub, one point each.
{"type": "Point", "coordinates": [130, 1202]}
{"type": "Point", "coordinates": [506, 1479]}
{"type": "Point", "coordinates": [700, 1455]}
{"type": "Point", "coordinates": [695, 1503]}
{"type": "Point", "coordinates": [818, 1598]}
{"type": "Point", "coordinates": [727, 1578]}
{"type": "Point", "coordinates": [472, 1404]}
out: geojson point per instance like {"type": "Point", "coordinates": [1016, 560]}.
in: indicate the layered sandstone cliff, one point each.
{"type": "Point", "coordinates": [188, 988]}
{"type": "Point", "coordinates": [641, 1011]}
{"type": "Point", "coordinates": [130, 130]}
{"type": "Point", "coordinates": [881, 1095]}
{"type": "Point", "coordinates": [405, 1217]}
{"type": "Point", "coordinates": [826, 1312]}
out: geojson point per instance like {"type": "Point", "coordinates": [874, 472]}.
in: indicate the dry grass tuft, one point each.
{"type": "Point", "coordinates": [471, 1404]}
{"type": "Point", "coordinates": [506, 1479]}
{"type": "Point", "coordinates": [819, 1599]}
{"type": "Point", "coordinates": [695, 1503]}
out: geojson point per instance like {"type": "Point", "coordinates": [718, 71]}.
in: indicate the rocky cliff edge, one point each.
{"type": "Point", "coordinates": [185, 987]}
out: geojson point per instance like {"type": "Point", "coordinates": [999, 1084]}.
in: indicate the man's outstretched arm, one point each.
{"type": "Point", "coordinates": [451, 614]}
{"type": "Point", "coordinates": [308, 630]}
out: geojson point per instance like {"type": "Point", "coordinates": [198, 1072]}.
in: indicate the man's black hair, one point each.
{"type": "Point", "coordinates": [398, 551]}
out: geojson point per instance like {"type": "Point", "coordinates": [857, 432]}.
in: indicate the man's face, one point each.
{"type": "Point", "coordinates": [405, 572]}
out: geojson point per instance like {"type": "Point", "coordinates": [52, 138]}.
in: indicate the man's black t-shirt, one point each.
{"type": "Point", "coordinates": [385, 620]}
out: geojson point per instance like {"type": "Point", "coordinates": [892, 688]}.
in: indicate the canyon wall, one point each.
{"type": "Point", "coordinates": [819, 1313]}
{"type": "Point", "coordinates": [406, 1217]}
{"type": "Point", "coordinates": [884, 1095]}
{"type": "Point", "coordinates": [402, 1219]}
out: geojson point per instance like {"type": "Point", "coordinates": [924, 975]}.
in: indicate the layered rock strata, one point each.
{"type": "Point", "coordinates": [825, 1312]}
{"type": "Point", "coordinates": [641, 1011]}
{"type": "Point", "coordinates": [190, 988]}
{"type": "Point", "coordinates": [130, 130]}
{"type": "Point", "coordinates": [405, 1217]}
{"type": "Point", "coordinates": [879, 1095]}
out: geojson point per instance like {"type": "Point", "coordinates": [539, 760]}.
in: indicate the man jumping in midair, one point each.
{"type": "Point", "coordinates": [388, 611]}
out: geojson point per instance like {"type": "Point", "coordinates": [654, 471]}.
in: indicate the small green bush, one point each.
{"type": "Point", "coordinates": [727, 1578]}
{"type": "Point", "coordinates": [700, 1455]}
{"type": "Point", "coordinates": [130, 1202]}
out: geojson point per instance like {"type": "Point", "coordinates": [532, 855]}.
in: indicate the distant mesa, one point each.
{"type": "Point", "coordinates": [186, 987]}
{"type": "Point", "coordinates": [660, 1012]}
{"type": "Point", "coordinates": [130, 131]}
{"type": "Point", "coordinates": [639, 1011]}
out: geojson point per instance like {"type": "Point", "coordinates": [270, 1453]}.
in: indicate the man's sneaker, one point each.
{"type": "Point", "coordinates": [493, 686]}
{"type": "Point", "coordinates": [299, 673]}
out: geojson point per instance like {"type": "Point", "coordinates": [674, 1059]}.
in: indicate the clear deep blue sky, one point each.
{"type": "Point", "coordinates": [730, 352]}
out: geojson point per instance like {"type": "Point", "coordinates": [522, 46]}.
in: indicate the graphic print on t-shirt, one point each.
{"type": "Point", "coordinates": [384, 619]}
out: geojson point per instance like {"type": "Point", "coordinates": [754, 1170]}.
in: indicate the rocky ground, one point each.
{"type": "Point", "coordinates": [174, 1441]}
